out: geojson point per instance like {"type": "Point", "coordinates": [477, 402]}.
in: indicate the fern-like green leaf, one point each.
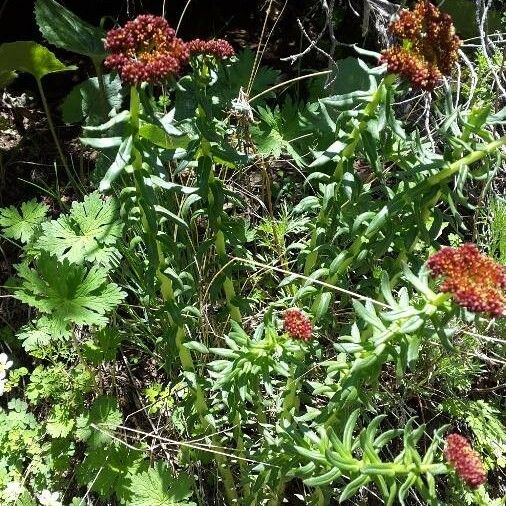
{"type": "Point", "coordinates": [88, 232]}
{"type": "Point", "coordinates": [157, 487]}
{"type": "Point", "coordinates": [69, 293]}
{"type": "Point", "coordinates": [20, 226]}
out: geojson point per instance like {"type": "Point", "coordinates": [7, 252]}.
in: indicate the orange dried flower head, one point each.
{"type": "Point", "coordinates": [428, 46]}
{"type": "Point", "coordinates": [297, 324]}
{"type": "Point", "coordinates": [465, 460]}
{"type": "Point", "coordinates": [145, 49]}
{"type": "Point", "coordinates": [476, 281]}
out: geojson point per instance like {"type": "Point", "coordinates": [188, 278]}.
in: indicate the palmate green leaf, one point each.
{"type": "Point", "coordinates": [105, 416]}
{"type": "Point", "coordinates": [60, 422]}
{"type": "Point", "coordinates": [88, 232]}
{"type": "Point", "coordinates": [108, 469]}
{"type": "Point", "coordinates": [66, 30]}
{"type": "Point", "coordinates": [28, 56]}
{"type": "Point", "coordinates": [157, 487]}
{"type": "Point", "coordinates": [21, 225]}
{"type": "Point", "coordinates": [277, 129]}
{"type": "Point", "coordinates": [43, 332]}
{"type": "Point", "coordinates": [237, 74]}
{"type": "Point", "coordinates": [68, 293]}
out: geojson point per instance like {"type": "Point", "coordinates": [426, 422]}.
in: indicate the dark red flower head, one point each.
{"type": "Point", "coordinates": [297, 324]}
{"type": "Point", "coordinates": [476, 281]}
{"type": "Point", "coordinates": [428, 47]}
{"type": "Point", "coordinates": [218, 48]}
{"type": "Point", "coordinates": [465, 460]}
{"type": "Point", "coordinates": [145, 49]}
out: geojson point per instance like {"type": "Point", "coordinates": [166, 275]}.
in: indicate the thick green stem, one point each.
{"type": "Point", "coordinates": [347, 153]}
{"type": "Point", "coordinates": [228, 284]}
{"type": "Point", "coordinates": [396, 204]}
{"type": "Point", "coordinates": [53, 132]}
{"type": "Point", "coordinates": [97, 62]}
{"type": "Point", "coordinates": [239, 437]}
{"type": "Point", "coordinates": [167, 294]}
{"type": "Point", "coordinates": [290, 405]}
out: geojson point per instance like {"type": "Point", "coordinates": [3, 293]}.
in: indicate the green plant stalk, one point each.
{"type": "Point", "coordinates": [239, 437]}
{"type": "Point", "coordinates": [228, 284]}
{"type": "Point", "coordinates": [53, 132]}
{"type": "Point", "coordinates": [394, 330]}
{"type": "Point", "coordinates": [396, 205]}
{"type": "Point", "coordinates": [167, 293]}
{"type": "Point", "coordinates": [97, 63]}
{"type": "Point", "coordinates": [290, 402]}
{"type": "Point", "coordinates": [345, 155]}
{"type": "Point", "coordinates": [219, 241]}
{"type": "Point", "coordinates": [202, 79]}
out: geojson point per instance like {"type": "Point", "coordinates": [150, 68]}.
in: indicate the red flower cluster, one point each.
{"type": "Point", "coordinates": [476, 281]}
{"type": "Point", "coordinates": [147, 50]}
{"type": "Point", "coordinates": [465, 460]}
{"type": "Point", "coordinates": [297, 324]}
{"type": "Point", "coordinates": [429, 45]}
{"type": "Point", "coordinates": [218, 47]}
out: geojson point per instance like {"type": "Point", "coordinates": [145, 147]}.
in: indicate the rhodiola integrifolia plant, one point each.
{"type": "Point", "coordinates": [279, 390]}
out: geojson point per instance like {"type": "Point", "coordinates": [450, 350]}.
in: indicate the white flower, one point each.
{"type": "Point", "coordinates": [5, 364]}
{"type": "Point", "coordinates": [47, 498]}
{"type": "Point", "coordinates": [12, 491]}
{"type": "Point", "coordinates": [2, 386]}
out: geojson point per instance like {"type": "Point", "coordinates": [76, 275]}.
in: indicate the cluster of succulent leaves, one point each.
{"type": "Point", "coordinates": [142, 265]}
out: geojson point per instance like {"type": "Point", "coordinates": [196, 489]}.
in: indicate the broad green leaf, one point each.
{"type": "Point", "coordinates": [6, 77]}
{"type": "Point", "coordinates": [158, 487]}
{"type": "Point", "coordinates": [88, 233]}
{"type": "Point", "coordinates": [28, 56]}
{"type": "Point", "coordinates": [43, 332]}
{"type": "Point", "coordinates": [60, 422]}
{"type": "Point", "coordinates": [85, 101]}
{"type": "Point", "coordinates": [109, 468]}
{"type": "Point", "coordinates": [103, 347]}
{"type": "Point", "coordinates": [69, 293]}
{"type": "Point", "coordinates": [21, 226]}
{"type": "Point", "coordinates": [158, 136]}
{"type": "Point", "coordinates": [66, 30]}
{"type": "Point", "coordinates": [100, 422]}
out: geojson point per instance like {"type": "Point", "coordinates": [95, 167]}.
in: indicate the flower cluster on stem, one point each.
{"type": "Point", "coordinates": [476, 281]}
{"type": "Point", "coordinates": [147, 50]}
{"type": "Point", "coordinates": [465, 460]}
{"type": "Point", "coordinates": [297, 324]}
{"type": "Point", "coordinates": [428, 47]}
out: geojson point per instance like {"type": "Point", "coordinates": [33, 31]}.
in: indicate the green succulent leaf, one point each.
{"type": "Point", "coordinates": [21, 225]}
